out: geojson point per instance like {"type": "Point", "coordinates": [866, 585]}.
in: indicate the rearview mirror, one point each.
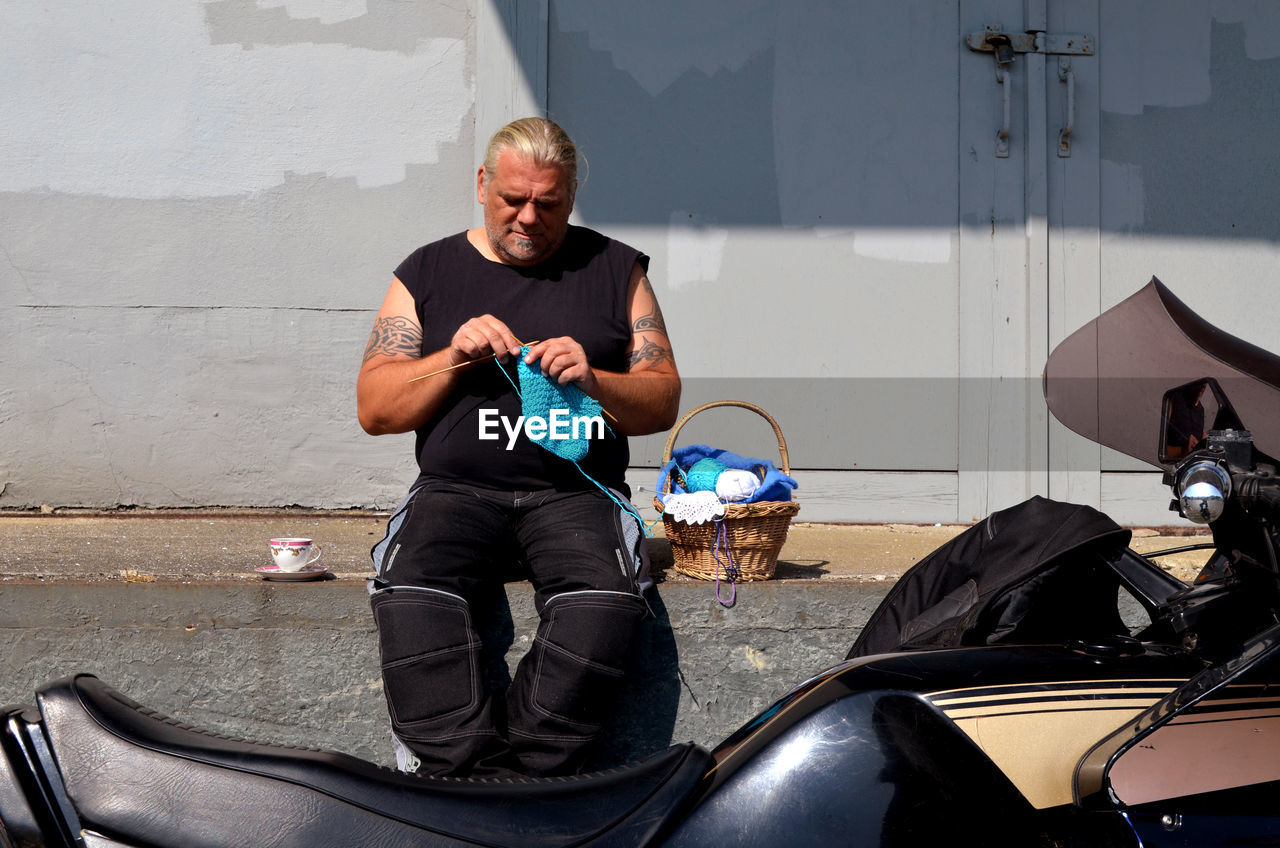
{"type": "Point", "coordinates": [1189, 412]}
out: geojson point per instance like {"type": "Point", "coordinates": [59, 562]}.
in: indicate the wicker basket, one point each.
{"type": "Point", "coordinates": [755, 532]}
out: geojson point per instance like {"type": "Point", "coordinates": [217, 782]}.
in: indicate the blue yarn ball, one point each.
{"type": "Point", "coordinates": [702, 476]}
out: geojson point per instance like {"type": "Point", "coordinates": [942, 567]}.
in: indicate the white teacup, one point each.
{"type": "Point", "coordinates": [291, 554]}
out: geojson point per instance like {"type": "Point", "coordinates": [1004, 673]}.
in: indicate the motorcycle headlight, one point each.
{"type": "Point", "coordinates": [1202, 489]}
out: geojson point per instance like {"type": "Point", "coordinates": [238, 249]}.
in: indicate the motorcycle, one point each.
{"type": "Point", "coordinates": [1034, 682]}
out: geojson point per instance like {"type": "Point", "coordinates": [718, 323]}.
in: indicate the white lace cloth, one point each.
{"type": "Point", "coordinates": [693, 507]}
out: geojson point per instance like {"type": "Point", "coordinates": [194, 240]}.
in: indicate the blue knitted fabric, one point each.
{"type": "Point", "coordinates": [540, 395]}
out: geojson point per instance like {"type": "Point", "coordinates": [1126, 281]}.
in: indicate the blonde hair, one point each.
{"type": "Point", "coordinates": [541, 140]}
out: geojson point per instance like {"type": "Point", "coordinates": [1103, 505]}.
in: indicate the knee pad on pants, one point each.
{"type": "Point", "coordinates": [430, 658]}
{"type": "Point", "coordinates": [579, 656]}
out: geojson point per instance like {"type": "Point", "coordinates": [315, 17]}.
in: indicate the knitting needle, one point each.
{"type": "Point", "coordinates": [611, 416]}
{"type": "Point", "coordinates": [463, 364]}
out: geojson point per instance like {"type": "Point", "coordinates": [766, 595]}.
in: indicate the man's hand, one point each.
{"type": "Point", "coordinates": [480, 337]}
{"type": "Point", "coordinates": [563, 360]}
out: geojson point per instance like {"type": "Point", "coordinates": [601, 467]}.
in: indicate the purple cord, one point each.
{"type": "Point", "coordinates": [731, 571]}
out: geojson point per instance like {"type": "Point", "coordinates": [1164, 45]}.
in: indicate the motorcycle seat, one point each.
{"type": "Point", "coordinates": [140, 776]}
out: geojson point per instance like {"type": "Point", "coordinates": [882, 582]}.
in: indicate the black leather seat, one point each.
{"type": "Point", "coordinates": [138, 777]}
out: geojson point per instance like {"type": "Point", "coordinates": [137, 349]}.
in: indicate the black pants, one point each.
{"type": "Point", "coordinates": [447, 547]}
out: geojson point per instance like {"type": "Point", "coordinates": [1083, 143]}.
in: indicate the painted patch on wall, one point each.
{"type": "Point", "coordinates": [1172, 65]}
{"type": "Point", "coordinates": [920, 244]}
{"type": "Point", "coordinates": [660, 41]}
{"type": "Point", "coordinates": [325, 11]}
{"type": "Point", "coordinates": [694, 254]}
{"type": "Point", "coordinates": [115, 100]}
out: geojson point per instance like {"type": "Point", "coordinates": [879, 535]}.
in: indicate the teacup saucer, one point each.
{"type": "Point", "coordinates": [307, 572]}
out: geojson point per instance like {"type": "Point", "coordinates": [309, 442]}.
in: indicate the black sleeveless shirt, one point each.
{"type": "Point", "coordinates": [580, 292]}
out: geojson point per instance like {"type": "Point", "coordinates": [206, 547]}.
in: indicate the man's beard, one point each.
{"type": "Point", "coordinates": [508, 247]}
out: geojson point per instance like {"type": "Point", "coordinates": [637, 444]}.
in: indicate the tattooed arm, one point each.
{"type": "Point", "coordinates": [386, 400]}
{"type": "Point", "coordinates": [646, 397]}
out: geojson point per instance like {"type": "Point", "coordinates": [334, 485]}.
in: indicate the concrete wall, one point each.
{"type": "Point", "coordinates": [298, 664]}
{"type": "Point", "coordinates": [199, 208]}
{"type": "Point", "coordinates": [200, 211]}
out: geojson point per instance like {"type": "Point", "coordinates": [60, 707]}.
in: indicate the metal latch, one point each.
{"type": "Point", "coordinates": [1005, 46]}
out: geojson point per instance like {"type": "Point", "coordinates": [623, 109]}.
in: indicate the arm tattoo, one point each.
{"type": "Point", "coordinates": [653, 321]}
{"type": "Point", "coordinates": [648, 354]}
{"type": "Point", "coordinates": [395, 336]}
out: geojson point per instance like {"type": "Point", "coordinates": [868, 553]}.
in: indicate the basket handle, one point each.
{"type": "Point", "coordinates": [777, 431]}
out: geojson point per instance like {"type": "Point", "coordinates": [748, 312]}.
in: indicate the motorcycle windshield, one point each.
{"type": "Point", "coordinates": [1149, 378]}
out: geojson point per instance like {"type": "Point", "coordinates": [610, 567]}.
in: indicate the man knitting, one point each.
{"type": "Point", "coordinates": [460, 309]}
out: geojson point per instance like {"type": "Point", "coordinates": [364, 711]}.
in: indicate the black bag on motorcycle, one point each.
{"type": "Point", "coordinates": [1035, 572]}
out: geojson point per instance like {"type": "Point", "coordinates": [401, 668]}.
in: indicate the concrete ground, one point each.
{"type": "Point", "coordinates": [182, 545]}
